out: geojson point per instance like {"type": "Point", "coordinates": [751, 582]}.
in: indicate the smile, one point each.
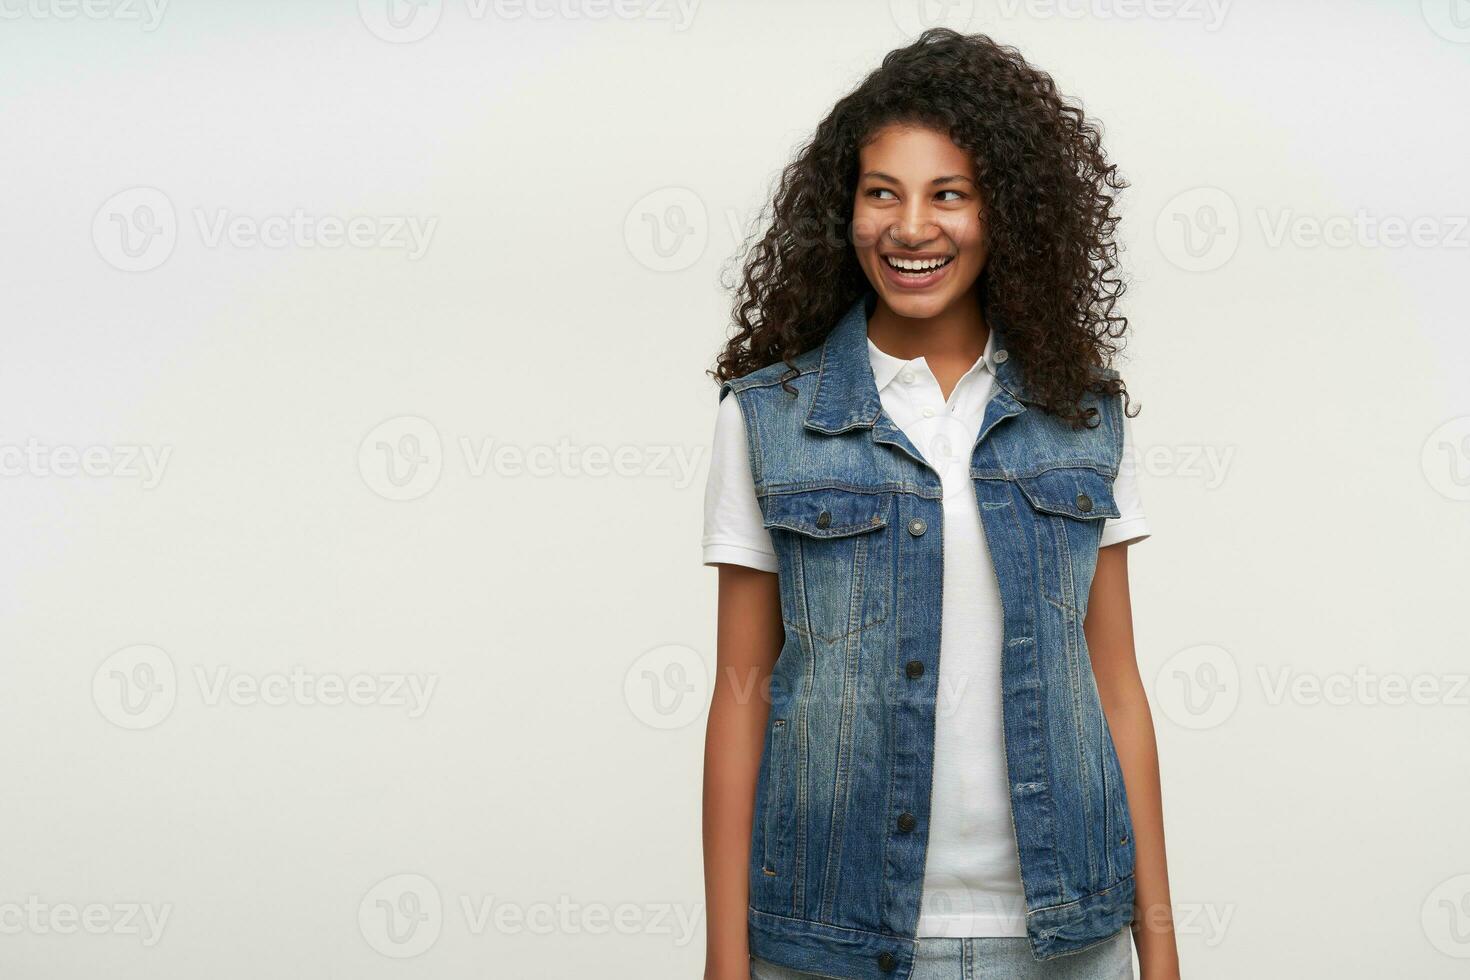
{"type": "Point", "coordinates": [916, 273]}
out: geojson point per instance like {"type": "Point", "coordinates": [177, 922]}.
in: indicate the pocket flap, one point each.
{"type": "Point", "coordinates": [1071, 491]}
{"type": "Point", "coordinates": [827, 513]}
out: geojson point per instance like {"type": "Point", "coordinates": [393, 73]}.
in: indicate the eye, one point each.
{"type": "Point", "coordinates": [875, 191]}
{"type": "Point", "coordinates": [958, 195]}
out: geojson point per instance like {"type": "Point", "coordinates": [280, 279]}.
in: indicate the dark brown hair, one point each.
{"type": "Point", "coordinates": [1048, 197]}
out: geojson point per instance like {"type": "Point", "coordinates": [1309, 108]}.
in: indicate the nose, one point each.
{"type": "Point", "coordinates": [914, 226]}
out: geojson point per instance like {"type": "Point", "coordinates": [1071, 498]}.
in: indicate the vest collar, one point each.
{"type": "Point", "coordinates": [847, 394]}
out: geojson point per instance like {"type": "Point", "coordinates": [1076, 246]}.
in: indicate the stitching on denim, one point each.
{"type": "Point", "coordinates": [1078, 901]}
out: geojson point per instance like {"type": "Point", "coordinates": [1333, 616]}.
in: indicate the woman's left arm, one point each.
{"type": "Point", "coordinates": [1109, 629]}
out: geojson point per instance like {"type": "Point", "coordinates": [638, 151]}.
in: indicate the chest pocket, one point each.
{"type": "Point", "coordinates": [834, 551]}
{"type": "Point", "coordinates": [1071, 504]}
{"type": "Point", "coordinates": [1074, 491]}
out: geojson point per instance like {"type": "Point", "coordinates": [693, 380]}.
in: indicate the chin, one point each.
{"type": "Point", "coordinates": [916, 307]}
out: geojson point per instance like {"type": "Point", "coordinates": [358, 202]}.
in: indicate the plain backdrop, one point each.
{"type": "Point", "coordinates": [354, 424]}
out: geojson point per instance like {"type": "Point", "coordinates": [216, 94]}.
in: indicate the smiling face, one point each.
{"type": "Point", "coordinates": [917, 227]}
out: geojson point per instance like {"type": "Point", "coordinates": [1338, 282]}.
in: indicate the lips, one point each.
{"type": "Point", "coordinates": [916, 271]}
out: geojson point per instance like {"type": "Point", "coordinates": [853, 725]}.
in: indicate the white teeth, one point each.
{"type": "Point", "coordinates": [917, 265]}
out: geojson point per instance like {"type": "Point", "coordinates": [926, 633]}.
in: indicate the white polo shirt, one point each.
{"type": "Point", "coordinates": [972, 878]}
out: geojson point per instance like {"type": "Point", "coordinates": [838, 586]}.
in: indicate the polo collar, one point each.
{"type": "Point", "coordinates": [848, 379]}
{"type": "Point", "coordinates": [886, 366]}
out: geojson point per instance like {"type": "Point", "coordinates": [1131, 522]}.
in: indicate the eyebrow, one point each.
{"type": "Point", "coordinates": [950, 179]}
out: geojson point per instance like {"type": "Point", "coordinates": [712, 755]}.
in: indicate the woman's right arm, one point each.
{"type": "Point", "coordinates": [750, 635]}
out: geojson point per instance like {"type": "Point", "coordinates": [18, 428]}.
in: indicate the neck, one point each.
{"type": "Point", "coordinates": [956, 333]}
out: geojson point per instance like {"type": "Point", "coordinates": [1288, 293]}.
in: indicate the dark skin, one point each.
{"type": "Point", "coordinates": [916, 197]}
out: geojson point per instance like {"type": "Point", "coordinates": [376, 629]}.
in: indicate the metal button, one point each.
{"type": "Point", "coordinates": [824, 519]}
{"type": "Point", "coordinates": [887, 962]}
{"type": "Point", "coordinates": [917, 527]}
{"type": "Point", "coordinates": [907, 822]}
{"type": "Point", "coordinates": [914, 668]}
{"type": "Point", "coordinates": [1084, 503]}
{"type": "Point", "coordinates": [999, 356]}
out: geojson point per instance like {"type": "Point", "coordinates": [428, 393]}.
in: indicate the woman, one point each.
{"type": "Point", "coordinates": [929, 751]}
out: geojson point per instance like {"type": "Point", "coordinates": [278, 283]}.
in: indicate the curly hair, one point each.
{"type": "Point", "coordinates": [1047, 194]}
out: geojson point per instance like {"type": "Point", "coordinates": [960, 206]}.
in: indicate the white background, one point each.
{"type": "Point", "coordinates": [583, 179]}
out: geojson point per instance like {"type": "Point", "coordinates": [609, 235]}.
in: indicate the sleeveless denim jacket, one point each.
{"type": "Point", "coordinates": [843, 793]}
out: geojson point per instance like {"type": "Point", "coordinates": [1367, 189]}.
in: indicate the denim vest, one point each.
{"type": "Point", "coordinates": [843, 793]}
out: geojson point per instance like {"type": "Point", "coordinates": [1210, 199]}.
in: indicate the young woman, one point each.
{"type": "Point", "coordinates": [929, 751]}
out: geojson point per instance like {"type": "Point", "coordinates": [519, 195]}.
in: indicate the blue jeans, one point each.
{"type": "Point", "coordinates": [994, 958]}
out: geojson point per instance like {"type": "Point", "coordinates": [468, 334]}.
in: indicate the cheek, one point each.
{"type": "Point", "coordinates": [865, 230]}
{"type": "Point", "coordinates": [968, 233]}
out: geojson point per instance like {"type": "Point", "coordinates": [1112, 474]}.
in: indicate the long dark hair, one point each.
{"type": "Point", "coordinates": [1048, 196]}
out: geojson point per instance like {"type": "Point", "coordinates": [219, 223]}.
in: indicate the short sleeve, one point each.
{"type": "Point", "coordinates": [1130, 525]}
{"type": "Point", "coordinates": [734, 530]}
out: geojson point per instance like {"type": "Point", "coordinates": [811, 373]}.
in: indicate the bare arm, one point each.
{"type": "Point", "coordinates": [749, 641]}
{"type": "Point", "coordinates": [1109, 629]}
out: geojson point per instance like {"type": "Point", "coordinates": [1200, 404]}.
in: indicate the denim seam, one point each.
{"type": "Point", "coordinates": [1078, 901]}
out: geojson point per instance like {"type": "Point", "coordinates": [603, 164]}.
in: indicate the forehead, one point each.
{"type": "Point", "coordinates": [912, 151]}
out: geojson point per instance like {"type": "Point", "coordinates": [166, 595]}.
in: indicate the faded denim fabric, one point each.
{"type": "Point", "coordinates": [843, 794]}
{"type": "Point", "coordinates": [993, 958]}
